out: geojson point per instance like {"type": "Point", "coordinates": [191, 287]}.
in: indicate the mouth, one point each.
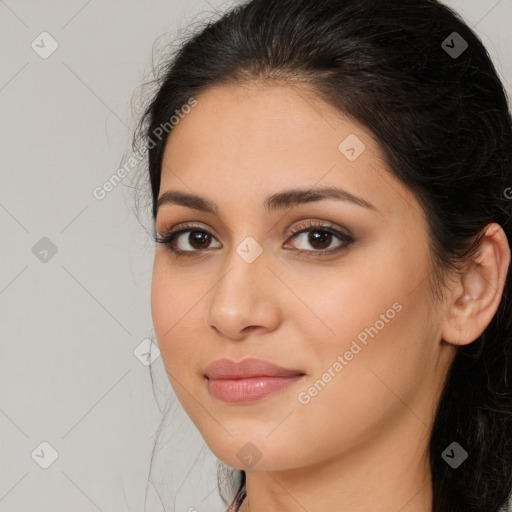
{"type": "Point", "coordinates": [248, 389]}
{"type": "Point", "coordinates": [248, 380]}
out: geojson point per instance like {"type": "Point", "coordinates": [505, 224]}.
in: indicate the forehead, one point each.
{"type": "Point", "coordinates": [269, 117]}
{"type": "Point", "coordinates": [258, 138]}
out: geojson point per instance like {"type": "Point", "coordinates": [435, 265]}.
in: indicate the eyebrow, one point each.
{"type": "Point", "coordinates": [278, 201]}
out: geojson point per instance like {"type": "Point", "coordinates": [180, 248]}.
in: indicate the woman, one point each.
{"type": "Point", "coordinates": [331, 288]}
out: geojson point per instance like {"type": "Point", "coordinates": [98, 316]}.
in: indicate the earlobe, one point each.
{"type": "Point", "coordinates": [476, 295]}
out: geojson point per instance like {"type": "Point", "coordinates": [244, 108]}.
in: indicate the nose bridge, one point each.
{"type": "Point", "coordinates": [244, 272]}
{"type": "Point", "coordinates": [240, 297]}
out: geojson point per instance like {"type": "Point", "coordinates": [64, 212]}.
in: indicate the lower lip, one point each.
{"type": "Point", "coordinates": [250, 389]}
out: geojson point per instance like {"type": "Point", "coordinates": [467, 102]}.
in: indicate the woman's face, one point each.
{"type": "Point", "coordinates": [357, 321]}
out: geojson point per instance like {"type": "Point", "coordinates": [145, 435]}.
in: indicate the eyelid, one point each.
{"type": "Point", "coordinates": [302, 226]}
{"type": "Point", "coordinates": [310, 223]}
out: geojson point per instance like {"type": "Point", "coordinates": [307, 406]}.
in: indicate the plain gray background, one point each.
{"type": "Point", "coordinates": [70, 320]}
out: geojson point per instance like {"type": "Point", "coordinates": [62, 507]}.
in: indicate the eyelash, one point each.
{"type": "Point", "coordinates": [169, 239]}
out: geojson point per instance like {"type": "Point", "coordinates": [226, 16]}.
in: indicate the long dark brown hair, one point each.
{"type": "Point", "coordinates": [444, 125]}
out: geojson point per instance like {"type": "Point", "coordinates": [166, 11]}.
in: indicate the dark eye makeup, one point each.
{"type": "Point", "coordinates": [198, 235]}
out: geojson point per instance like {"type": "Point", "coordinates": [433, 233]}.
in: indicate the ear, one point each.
{"type": "Point", "coordinates": [477, 291]}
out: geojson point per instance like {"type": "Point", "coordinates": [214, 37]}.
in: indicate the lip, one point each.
{"type": "Point", "coordinates": [247, 368]}
{"type": "Point", "coordinates": [247, 380]}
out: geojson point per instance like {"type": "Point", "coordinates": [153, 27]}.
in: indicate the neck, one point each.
{"type": "Point", "coordinates": [388, 472]}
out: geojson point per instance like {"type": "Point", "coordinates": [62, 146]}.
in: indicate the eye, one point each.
{"type": "Point", "coordinates": [320, 237]}
{"type": "Point", "coordinates": [199, 239]}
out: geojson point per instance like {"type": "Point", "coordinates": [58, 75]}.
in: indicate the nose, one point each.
{"type": "Point", "coordinates": [245, 299]}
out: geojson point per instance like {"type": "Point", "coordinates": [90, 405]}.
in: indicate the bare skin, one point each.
{"type": "Point", "coordinates": [360, 442]}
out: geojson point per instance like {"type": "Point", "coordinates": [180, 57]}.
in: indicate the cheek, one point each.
{"type": "Point", "coordinates": [379, 351]}
{"type": "Point", "coordinates": [173, 320]}
{"type": "Point", "coordinates": [173, 297]}
{"type": "Point", "coordinates": [354, 399]}
{"type": "Point", "coordinates": [379, 323]}
{"type": "Point", "coordinates": [177, 344]}
{"type": "Point", "coordinates": [346, 306]}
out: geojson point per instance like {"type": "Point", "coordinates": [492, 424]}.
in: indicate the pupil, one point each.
{"type": "Point", "coordinates": [320, 236]}
{"type": "Point", "coordinates": [198, 237]}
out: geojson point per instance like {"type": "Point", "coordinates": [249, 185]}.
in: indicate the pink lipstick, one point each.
{"type": "Point", "coordinates": [247, 380]}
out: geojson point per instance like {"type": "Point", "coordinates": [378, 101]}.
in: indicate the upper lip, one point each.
{"type": "Point", "coordinates": [250, 367]}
